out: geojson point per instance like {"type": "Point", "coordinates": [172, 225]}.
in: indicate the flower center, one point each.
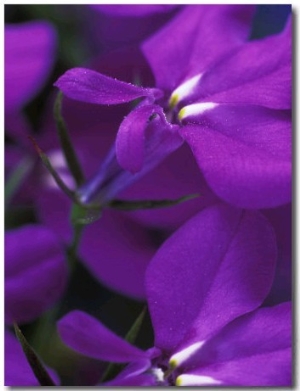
{"type": "Point", "coordinates": [169, 372]}
{"type": "Point", "coordinates": [175, 113]}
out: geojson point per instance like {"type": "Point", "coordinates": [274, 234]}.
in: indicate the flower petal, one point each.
{"type": "Point", "coordinates": [132, 140]}
{"type": "Point", "coordinates": [35, 272]}
{"type": "Point", "coordinates": [244, 153]}
{"type": "Point", "coordinates": [217, 266]}
{"type": "Point", "coordinates": [17, 369]}
{"type": "Point", "coordinates": [126, 249]}
{"type": "Point", "coordinates": [136, 10]}
{"type": "Point", "coordinates": [256, 65]}
{"type": "Point", "coordinates": [194, 39]}
{"type": "Point", "coordinates": [281, 219]}
{"type": "Point", "coordinates": [90, 337]}
{"type": "Point", "coordinates": [92, 87]}
{"type": "Point", "coordinates": [175, 177]}
{"type": "Point", "coordinates": [144, 380]}
{"type": "Point", "coordinates": [237, 354]}
{"type": "Point", "coordinates": [29, 56]}
{"type": "Point", "coordinates": [131, 137]}
{"type": "Point", "coordinates": [134, 375]}
{"type": "Point", "coordinates": [273, 90]}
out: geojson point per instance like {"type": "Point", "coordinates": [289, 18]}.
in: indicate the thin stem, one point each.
{"type": "Point", "coordinates": [52, 171]}
{"type": "Point", "coordinates": [35, 363]}
{"type": "Point", "coordinates": [17, 177]}
{"type": "Point", "coordinates": [66, 144]}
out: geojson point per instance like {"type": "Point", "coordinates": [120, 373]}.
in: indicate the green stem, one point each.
{"type": "Point", "coordinates": [148, 204]}
{"type": "Point", "coordinates": [35, 363]}
{"type": "Point", "coordinates": [52, 171]}
{"type": "Point", "coordinates": [17, 177]}
{"type": "Point", "coordinates": [73, 247]}
{"type": "Point", "coordinates": [66, 144]}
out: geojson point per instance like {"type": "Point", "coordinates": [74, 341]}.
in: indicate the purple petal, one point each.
{"type": "Point", "coordinates": [161, 139]}
{"type": "Point", "coordinates": [18, 127]}
{"type": "Point", "coordinates": [175, 177]}
{"type": "Point", "coordinates": [265, 370]}
{"type": "Point", "coordinates": [117, 26]}
{"type": "Point", "coordinates": [258, 62]}
{"type": "Point", "coordinates": [126, 250]}
{"type": "Point", "coordinates": [158, 139]}
{"type": "Point", "coordinates": [134, 375]}
{"type": "Point", "coordinates": [35, 272]}
{"type": "Point", "coordinates": [90, 337]}
{"type": "Point", "coordinates": [238, 353]}
{"type": "Point", "coordinates": [244, 154]}
{"type": "Point", "coordinates": [262, 331]}
{"type": "Point", "coordinates": [194, 39]}
{"type": "Point", "coordinates": [281, 219]}
{"type": "Point", "coordinates": [92, 87]}
{"type": "Point", "coordinates": [18, 373]}
{"type": "Point", "coordinates": [144, 380]}
{"type": "Point", "coordinates": [131, 136]}
{"type": "Point", "coordinates": [135, 10]}
{"type": "Point", "coordinates": [17, 369]}
{"type": "Point", "coordinates": [273, 90]}
{"type": "Point", "coordinates": [216, 267]}
{"type": "Point", "coordinates": [29, 56]}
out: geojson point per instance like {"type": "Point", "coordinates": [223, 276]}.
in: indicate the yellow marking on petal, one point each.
{"type": "Point", "coordinates": [174, 99]}
{"type": "Point", "coordinates": [184, 90]}
{"type": "Point", "coordinates": [178, 358]}
{"type": "Point", "coordinates": [173, 363]}
{"type": "Point", "coordinates": [178, 381]}
{"type": "Point", "coordinates": [186, 380]}
{"type": "Point", "coordinates": [182, 114]}
{"type": "Point", "coordinates": [195, 109]}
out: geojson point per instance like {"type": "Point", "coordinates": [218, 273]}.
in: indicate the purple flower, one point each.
{"type": "Point", "coordinates": [35, 272]}
{"type": "Point", "coordinates": [125, 239]}
{"type": "Point", "coordinates": [29, 56]}
{"type": "Point", "coordinates": [113, 26]}
{"type": "Point", "coordinates": [35, 278]}
{"type": "Point", "coordinates": [230, 100]}
{"type": "Point", "coordinates": [205, 286]}
{"type": "Point", "coordinates": [30, 50]}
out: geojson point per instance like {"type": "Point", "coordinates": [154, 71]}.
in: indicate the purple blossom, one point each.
{"type": "Point", "coordinates": [30, 50]}
{"type": "Point", "coordinates": [230, 100]}
{"type": "Point", "coordinates": [114, 26]}
{"type": "Point", "coordinates": [126, 239]}
{"type": "Point", "coordinates": [205, 286]}
{"type": "Point", "coordinates": [29, 57]}
{"type": "Point", "coordinates": [35, 278]}
{"type": "Point", "coordinates": [35, 272]}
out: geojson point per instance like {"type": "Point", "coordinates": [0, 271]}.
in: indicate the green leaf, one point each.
{"type": "Point", "coordinates": [66, 143]}
{"type": "Point", "coordinates": [148, 204]}
{"type": "Point", "coordinates": [17, 177]}
{"type": "Point", "coordinates": [135, 328]}
{"type": "Point", "coordinates": [35, 363]}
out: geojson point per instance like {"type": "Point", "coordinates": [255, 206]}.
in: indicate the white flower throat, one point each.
{"type": "Point", "coordinates": [182, 92]}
